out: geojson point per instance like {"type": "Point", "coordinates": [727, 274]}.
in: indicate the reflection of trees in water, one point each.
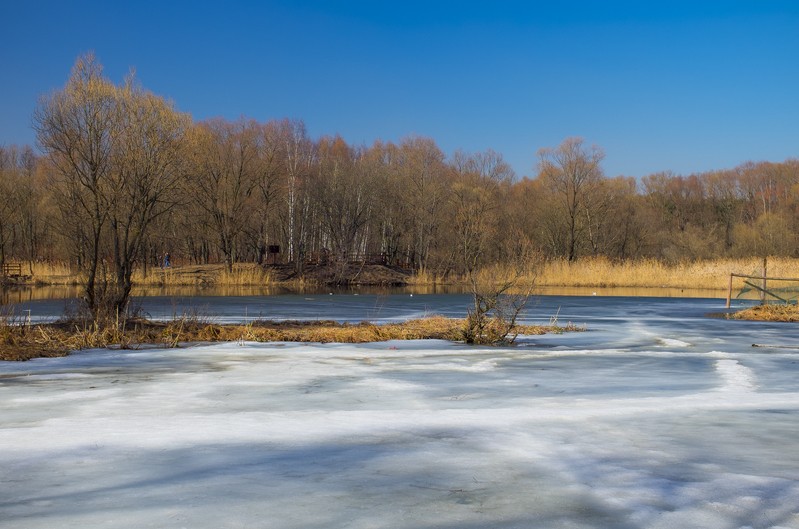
{"type": "Point", "coordinates": [20, 294]}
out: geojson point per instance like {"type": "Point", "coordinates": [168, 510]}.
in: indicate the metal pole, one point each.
{"type": "Point", "coordinates": [729, 292]}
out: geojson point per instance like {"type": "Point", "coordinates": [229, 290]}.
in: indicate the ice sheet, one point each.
{"type": "Point", "coordinates": [658, 425]}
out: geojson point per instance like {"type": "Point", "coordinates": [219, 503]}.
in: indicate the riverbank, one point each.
{"type": "Point", "coordinates": [24, 342]}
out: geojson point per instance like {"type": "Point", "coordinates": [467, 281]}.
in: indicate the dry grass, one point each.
{"type": "Point", "coordinates": [650, 273]}
{"type": "Point", "coordinates": [23, 342]}
{"type": "Point", "coordinates": [587, 272]}
{"type": "Point", "coordinates": [243, 274]}
{"type": "Point", "coordinates": [643, 273]}
{"type": "Point", "coordinates": [53, 273]}
{"type": "Point", "coordinates": [425, 277]}
{"type": "Point", "coordinates": [786, 313]}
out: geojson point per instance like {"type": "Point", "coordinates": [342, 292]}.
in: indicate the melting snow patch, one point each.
{"type": "Point", "coordinates": [735, 376]}
{"type": "Point", "coordinates": [671, 342]}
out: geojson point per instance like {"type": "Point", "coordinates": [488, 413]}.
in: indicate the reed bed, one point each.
{"type": "Point", "coordinates": [641, 273]}
{"type": "Point", "coordinates": [243, 274]}
{"type": "Point", "coordinates": [53, 273]}
{"type": "Point", "coordinates": [426, 277]}
{"type": "Point", "coordinates": [600, 272]}
{"type": "Point", "coordinates": [585, 272]}
{"type": "Point", "coordinates": [651, 273]}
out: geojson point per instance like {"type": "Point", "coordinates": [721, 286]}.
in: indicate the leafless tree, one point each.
{"type": "Point", "coordinates": [225, 176]}
{"type": "Point", "coordinates": [572, 172]}
{"type": "Point", "coordinates": [115, 157]}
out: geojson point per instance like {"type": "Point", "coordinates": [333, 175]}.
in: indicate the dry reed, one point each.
{"type": "Point", "coordinates": [23, 342]}
{"type": "Point", "coordinates": [426, 277]}
{"type": "Point", "coordinates": [586, 272]}
{"type": "Point", "coordinates": [651, 273]}
{"type": "Point", "coordinates": [786, 313]}
{"type": "Point", "coordinates": [243, 274]}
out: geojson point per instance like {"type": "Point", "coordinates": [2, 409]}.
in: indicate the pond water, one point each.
{"type": "Point", "coordinates": [239, 304]}
{"type": "Point", "coordinates": [22, 294]}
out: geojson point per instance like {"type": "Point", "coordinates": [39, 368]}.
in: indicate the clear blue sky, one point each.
{"type": "Point", "coordinates": [680, 85]}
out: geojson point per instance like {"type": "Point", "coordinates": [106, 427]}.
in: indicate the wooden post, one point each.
{"type": "Point", "coordinates": [729, 293]}
{"type": "Point", "coordinates": [763, 292]}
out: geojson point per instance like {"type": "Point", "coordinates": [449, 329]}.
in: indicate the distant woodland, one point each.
{"type": "Point", "coordinates": [124, 178]}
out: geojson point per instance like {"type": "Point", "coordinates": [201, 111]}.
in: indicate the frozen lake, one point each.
{"type": "Point", "coordinates": [656, 417]}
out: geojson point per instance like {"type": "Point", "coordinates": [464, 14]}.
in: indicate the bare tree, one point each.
{"type": "Point", "coordinates": [499, 299]}
{"type": "Point", "coordinates": [298, 156]}
{"type": "Point", "coordinates": [481, 182]}
{"type": "Point", "coordinates": [425, 174]}
{"type": "Point", "coordinates": [225, 177]}
{"type": "Point", "coordinates": [270, 168]}
{"type": "Point", "coordinates": [77, 127]}
{"type": "Point", "coordinates": [114, 151]}
{"type": "Point", "coordinates": [345, 194]}
{"type": "Point", "coordinates": [11, 190]}
{"type": "Point", "coordinates": [148, 174]}
{"type": "Point", "coordinates": [572, 172]}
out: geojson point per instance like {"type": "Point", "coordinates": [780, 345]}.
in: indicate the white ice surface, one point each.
{"type": "Point", "coordinates": [403, 435]}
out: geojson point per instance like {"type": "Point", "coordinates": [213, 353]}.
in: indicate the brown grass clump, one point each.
{"type": "Point", "coordinates": [23, 342]}
{"type": "Point", "coordinates": [786, 313]}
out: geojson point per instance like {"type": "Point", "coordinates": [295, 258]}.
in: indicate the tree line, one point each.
{"type": "Point", "coordinates": [124, 178]}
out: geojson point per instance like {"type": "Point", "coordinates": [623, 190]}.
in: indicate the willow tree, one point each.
{"type": "Point", "coordinates": [115, 157]}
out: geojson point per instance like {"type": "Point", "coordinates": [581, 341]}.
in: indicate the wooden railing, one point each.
{"type": "Point", "coordinates": [12, 270]}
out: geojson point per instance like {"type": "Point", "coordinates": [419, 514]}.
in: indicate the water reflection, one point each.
{"type": "Point", "coordinates": [22, 294]}
{"type": "Point", "coordinates": [188, 291]}
{"type": "Point", "coordinates": [650, 292]}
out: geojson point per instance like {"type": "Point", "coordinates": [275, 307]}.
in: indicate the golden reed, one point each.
{"type": "Point", "coordinates": [585, 272]}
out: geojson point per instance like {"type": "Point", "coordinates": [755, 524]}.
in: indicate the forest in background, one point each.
{"type": "Point", "coordinates": [226, 191]}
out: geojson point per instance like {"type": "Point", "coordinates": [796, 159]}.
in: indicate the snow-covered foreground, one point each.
{"type": "Point", "coordinates": [659, 432]}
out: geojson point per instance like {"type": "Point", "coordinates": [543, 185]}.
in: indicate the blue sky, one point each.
{"type": "Point", "coordinates": [685, 86]}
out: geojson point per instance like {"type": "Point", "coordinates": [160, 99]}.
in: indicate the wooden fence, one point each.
{"type": "Point", "coordinates": [12, 270]}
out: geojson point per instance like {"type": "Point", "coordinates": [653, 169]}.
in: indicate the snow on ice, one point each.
{"type": "Point", "coordinates": [646, 429]}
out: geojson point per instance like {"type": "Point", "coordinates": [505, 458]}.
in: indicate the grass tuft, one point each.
{"type": "Point", "coordinates": [786, 313]}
